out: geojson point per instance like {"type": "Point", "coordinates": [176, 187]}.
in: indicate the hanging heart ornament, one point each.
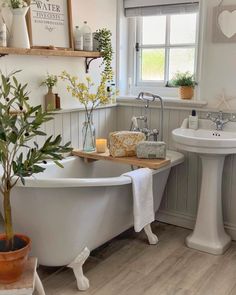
{"type": "Point", "coordinates": [227, 23]}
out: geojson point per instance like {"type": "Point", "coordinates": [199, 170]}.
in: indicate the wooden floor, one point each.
{"type": "Point", "coordinates": [129, 266]}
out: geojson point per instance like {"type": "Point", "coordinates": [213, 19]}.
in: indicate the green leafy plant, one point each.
{"type": "Point", "coordinates": [19, 124]}
{"type": "Point", "coordinates": [103, 36]}
{"type": "Point", "coordinates": [14, 4]}
{"type": "Point", "coordinates": [183, 79]}
{"type": "Point", "coordinates": [85, 94]}
{"type": "Point", "coordinates": [82, 91]}
{"type": "Point", "coordinates": [50, 81]}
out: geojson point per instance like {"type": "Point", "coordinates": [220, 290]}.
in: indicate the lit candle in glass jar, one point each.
{"type": "Point", "coordinates": [101, 145]}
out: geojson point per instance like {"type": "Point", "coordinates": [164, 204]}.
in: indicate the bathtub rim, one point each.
{"type": "Point", "coordinates": [175, 158]}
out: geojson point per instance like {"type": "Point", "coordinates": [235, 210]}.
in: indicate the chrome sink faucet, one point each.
{"type": "Point", "coordinates": [219, 120]}
{"type": "Point", "coordinates": [149, 133]}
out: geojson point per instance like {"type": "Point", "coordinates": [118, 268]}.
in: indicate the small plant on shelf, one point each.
{"type": "Point", "coordinates": [90, 100]}
{"type": "Point", "coordinates": [50, 81]}
{"type": "Point", "coordinates": [103, 36]}
{"type": "Point", "coordinates": [19, 125]}
{"type": "Point", "coordinates": [186, 83]}
{"type": "Point", "coordinates": [50, 98]}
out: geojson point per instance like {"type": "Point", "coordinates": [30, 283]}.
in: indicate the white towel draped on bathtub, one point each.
{"type": "Point", "coordinates": [143, 207]}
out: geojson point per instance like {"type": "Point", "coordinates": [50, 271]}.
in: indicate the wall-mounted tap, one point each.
{"type": "Point", "coordinates": [150, 133]}
{"type": "Point", "coordinates": [219, 119]}
{"type": "Point", "coordinates": [135, 124]}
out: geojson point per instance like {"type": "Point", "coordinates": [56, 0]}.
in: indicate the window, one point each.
{"type": "Point", "coordinates": [165, 44]}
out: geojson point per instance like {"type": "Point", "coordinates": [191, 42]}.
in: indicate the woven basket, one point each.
{"type": "Point", "coordinates": [186, 92]}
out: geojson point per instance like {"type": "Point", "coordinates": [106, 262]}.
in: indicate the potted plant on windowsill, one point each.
{"type": "Point", "coordinates": [186, 83]}
{"type": "Point", "coordinates": [19, 125]}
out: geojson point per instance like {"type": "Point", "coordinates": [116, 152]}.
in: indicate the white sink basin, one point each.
{"type": "Point", "coordinates": [206, 139]}
{"type": "Point", "coordinates": [212, 146]}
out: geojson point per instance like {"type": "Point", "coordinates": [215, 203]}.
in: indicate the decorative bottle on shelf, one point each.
{"type": "Point", "coordinates": [3, 35]}
{"type": "Point", "coordinates": [50, 100]}
{"type": "Point", "coordinates": [87, 37]}
{"type": "Point", "coordinates": [78, 38]}
{"type": "Point", "coordinates": [88, 134]}
{"type": "Point", "coordinates": [95, 42]}
{"type": "Point", "coordinates": [57, 102]}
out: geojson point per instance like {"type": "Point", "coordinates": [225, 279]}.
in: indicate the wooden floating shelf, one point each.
{"type": "Point", "coordinates": [144, 163]}
{"type": "Point", "coordinates": [49, 52]}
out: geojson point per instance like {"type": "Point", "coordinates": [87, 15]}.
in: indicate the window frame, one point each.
{"type": "Point", "coordinates": [167, 47]}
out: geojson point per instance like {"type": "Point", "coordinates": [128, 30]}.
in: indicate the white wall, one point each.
{"type": "Point", "coordinates": [99, 14]}
{"type": "Point", "coordinates": [219, 60]}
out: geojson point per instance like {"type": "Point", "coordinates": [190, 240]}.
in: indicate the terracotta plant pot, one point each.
{"type": "Point", "coordinates": [12, 263]}
{"type": "Point", "coordinates": [186, 92]}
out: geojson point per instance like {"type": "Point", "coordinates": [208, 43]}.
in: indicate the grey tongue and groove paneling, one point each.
{"type": "Point", "coordinates": [179, 205]}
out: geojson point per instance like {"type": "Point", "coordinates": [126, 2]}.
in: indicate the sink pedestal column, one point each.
{"type": "Point", "coordinates": [209, 234]}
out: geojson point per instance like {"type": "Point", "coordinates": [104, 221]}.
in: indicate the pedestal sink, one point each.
{"type": "Point", "coordinates": [212, 146]}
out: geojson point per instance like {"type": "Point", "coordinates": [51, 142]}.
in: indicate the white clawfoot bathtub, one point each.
{"type": "Point", "coordinates": [83, 205]}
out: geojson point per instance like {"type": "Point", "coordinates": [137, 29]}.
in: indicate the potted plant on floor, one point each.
{"type": "Point", "coordinates": [19, 124]}
{"type": "Point", "coordinates": [186, 83]}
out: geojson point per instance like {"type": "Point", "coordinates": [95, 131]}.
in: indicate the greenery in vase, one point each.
{"type": "Point", "coordinates": [183, 79]}
{"type": "Point", "coordinates": [19, 124]}
{"type": "Point", "coordinates": [84, 94]}
{"type": "Point", "coordinates": [50, 81]}
{"type": "Point", "coordinates": [103, 36]}
{"type": "Point", "coordinates": [83, 91]}
{"type": "Point", "coordinates": [14, 4]}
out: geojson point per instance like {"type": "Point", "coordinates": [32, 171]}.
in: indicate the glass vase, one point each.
{"type": "Point", "coordinates": [88, 135]}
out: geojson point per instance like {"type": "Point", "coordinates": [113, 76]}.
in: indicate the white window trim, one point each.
{"type": "Point", "coordinates": [160, 88]}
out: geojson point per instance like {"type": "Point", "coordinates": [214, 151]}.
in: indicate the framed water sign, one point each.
{"type": "Point", "coordinates": [50, 24]}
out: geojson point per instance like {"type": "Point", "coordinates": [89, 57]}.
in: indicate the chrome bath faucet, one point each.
{"type": "Point", "coordinates": [149, 133]}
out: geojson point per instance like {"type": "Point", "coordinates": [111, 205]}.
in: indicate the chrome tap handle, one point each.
{"type": "Point", "coordinates": [146, 97]}
{"type": "Point", "coordinates": [220, 115]}
{"type": "Point", "coordinates": [232, 118]}
{"type": "Point", "coordinates": [208, 116]}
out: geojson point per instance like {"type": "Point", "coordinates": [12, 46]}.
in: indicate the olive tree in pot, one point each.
{"type": "Point", "coordinates": [19, 124]}
{"type": "Point", "coordinates": [186, 83]}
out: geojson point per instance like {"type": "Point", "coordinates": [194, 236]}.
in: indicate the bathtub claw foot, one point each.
{"type": "Point", "coordinates": [152, 238]}
{"type": "Point", "coordinates": [77, 266]}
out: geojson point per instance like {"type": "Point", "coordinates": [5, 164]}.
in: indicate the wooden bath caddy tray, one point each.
{"type": "Point", "coordinates": [144, 163]}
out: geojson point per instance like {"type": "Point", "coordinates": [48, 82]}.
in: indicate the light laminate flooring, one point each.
{"type": "Point", "coordinates": [129, 266]}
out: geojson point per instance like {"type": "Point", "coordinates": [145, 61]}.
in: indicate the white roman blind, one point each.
{"type": "Point", "coordinates": [135, 8]}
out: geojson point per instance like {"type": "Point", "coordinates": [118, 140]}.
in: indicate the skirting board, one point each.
{"type": "Point", "coordinates": [187, 221]}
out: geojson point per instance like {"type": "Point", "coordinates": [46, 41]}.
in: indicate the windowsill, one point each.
{"type": "Point", "coordinates": [169, 102]}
